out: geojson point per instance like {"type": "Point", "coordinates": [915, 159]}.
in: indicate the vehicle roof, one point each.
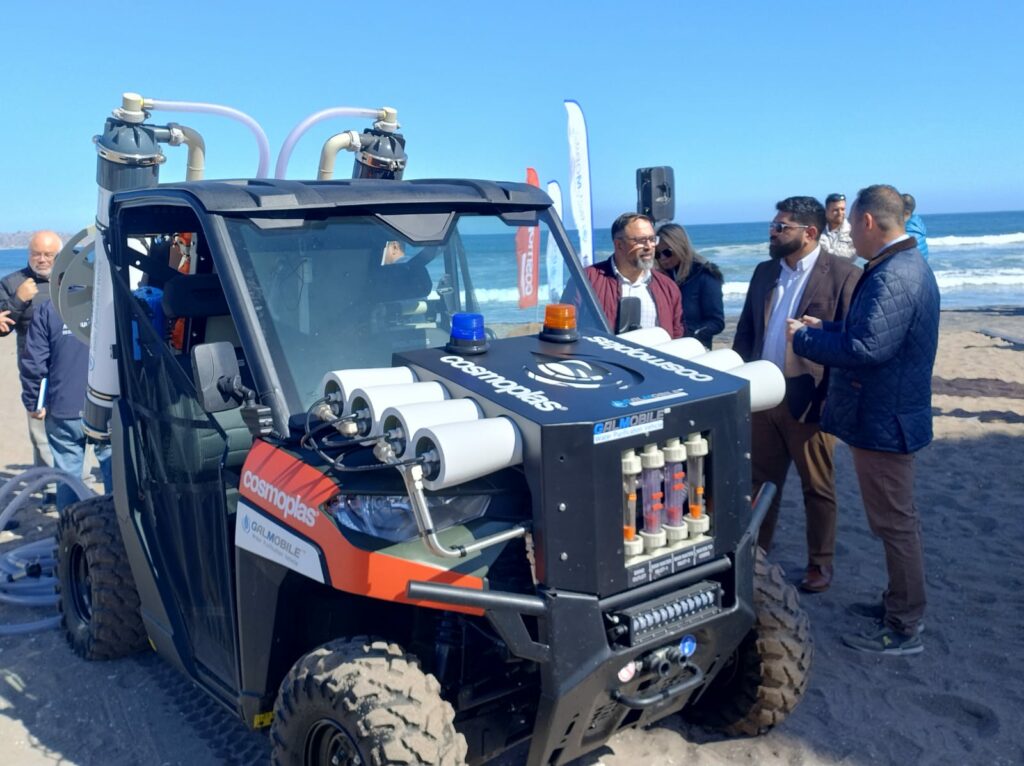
{"type": "Point", "coordinates": [265, 194]}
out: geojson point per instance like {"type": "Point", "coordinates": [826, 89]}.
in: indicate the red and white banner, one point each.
{"type": "Point", "coordinates": [528, 255]}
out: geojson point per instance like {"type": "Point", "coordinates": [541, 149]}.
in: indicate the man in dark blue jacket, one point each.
{"type": "Point", "coordinates": [20, 292]}
{"type": "Point", "coordinates": [879, 402]}
{"type": "Point", "coordinates": [52, 353]}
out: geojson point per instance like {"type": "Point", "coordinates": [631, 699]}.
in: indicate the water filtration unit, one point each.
{"type": "Point", "coordinates": [338, 469]}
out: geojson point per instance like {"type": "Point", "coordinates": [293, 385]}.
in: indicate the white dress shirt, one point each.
{"type": "Point", "coordinates": [785, 299]}
{"type": "Point", "coordinates": [640, 289]}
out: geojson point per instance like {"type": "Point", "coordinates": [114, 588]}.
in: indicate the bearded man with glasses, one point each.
{"type": "Point", "coordinates": [800, 278]}
{"type": "Point", "coordinates": [629, 274]}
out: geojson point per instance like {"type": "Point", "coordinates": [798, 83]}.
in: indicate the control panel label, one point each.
{"type": "Point", "coordinates": [629, 425]}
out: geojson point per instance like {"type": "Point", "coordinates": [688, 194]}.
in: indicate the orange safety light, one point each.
{"type": "Point", "coordinates": [559, 323]}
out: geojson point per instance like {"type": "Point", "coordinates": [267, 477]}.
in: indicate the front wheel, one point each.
{"type": "Point", "coordinates": [767, 676]}
{"type": "Point", "coordinates": [98, 603]}
{"type": "Point", "coordinates": [363, 701]}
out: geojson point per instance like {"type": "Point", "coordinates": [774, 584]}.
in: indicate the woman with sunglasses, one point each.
{"type": "Point", "coordinates": [699, 280]}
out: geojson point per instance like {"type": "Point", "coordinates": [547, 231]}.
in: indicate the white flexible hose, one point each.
{"type": "Point", "coordinates": [224, 111]}
{"type": "Point", "coordinates": [17, 586]}
{"type": "Point", "coordinates": [297, 132]}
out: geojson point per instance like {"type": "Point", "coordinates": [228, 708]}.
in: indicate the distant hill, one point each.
{"type": "Point", "coordinates": [19, 239]}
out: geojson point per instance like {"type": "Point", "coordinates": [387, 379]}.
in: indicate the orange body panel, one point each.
{"type": "Point", "coordinates": [351, 569]}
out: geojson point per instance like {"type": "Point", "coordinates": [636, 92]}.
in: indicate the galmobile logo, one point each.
{"type": "Point", "coordinates": [536, 399]}
{"type": "Point", "coordinates": [646, 356]}
{"type": "Point", "coordinates": [289, 505]}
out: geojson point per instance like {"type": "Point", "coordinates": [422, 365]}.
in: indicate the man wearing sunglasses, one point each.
{"type": "Point", "coordinates": [798, 276]}
{"type": "Point", "coordinates": [630, 274]}
{"type": "Point", "coordinates": [835, 238]}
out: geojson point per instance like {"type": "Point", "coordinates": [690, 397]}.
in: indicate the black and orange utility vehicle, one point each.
{"type": "Point", "coordinates": [390, 509]}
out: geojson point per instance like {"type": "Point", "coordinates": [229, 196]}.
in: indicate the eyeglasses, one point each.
{"type": "Point", "coordinates": [779, 227]}
{"type": "Point", "coordinates": [641, 240]}
{"type": "Point", "coordinates": [666, 253]}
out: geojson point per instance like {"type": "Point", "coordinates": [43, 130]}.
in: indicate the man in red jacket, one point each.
{"type": "Point", "coordinates": [630, 273]}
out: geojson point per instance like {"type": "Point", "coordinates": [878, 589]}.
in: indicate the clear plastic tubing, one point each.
{"type": "Point", "coordinates": [696, 487]}
{"type": "Point", "coordinates": [297, 132]}
{"type": "Point", "coordinates": [653, 497]}
{"type": "Point", "coordinates": [630, 482]}
{"type": "Point", "coordinates": [224, 111]}
{"type": "Point", "coordinates": [675, 493]}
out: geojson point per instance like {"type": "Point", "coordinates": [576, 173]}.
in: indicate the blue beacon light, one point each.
{"type": "Point", "coordinates": [468, 335]}
{"type": "Point", "coordinates": [688, 645]}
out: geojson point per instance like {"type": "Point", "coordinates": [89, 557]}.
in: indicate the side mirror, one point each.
{"type": "Point", "coordinates": [629, 314]}
{"type": "Point", "coordinates": [214, 368]}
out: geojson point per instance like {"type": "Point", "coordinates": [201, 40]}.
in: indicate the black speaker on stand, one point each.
{"type": "Point", "coordinates": [655, 193]}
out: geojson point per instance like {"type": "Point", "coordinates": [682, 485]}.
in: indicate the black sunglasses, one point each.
{"type": "Point", "coordinates": [666, 253]}
{"type": "Point", "coordinates": [778, 227]}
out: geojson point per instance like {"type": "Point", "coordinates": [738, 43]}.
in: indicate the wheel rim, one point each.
{"type": "Point", "coordinates": [81, 583]}
{"type": "Point", "coordinates": [329, 744]}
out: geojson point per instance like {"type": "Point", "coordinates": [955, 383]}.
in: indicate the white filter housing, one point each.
{"type": "Point", "coordinates": [767, 383]}
{"type": "Point", "coordinates": [343, 382]}
{"type": "Point", "coordinates": [647, 336]}
{"type": "Point", "coordinates": [377, 399]}
{"type": "Point", "coordinates": [467, 451]}
{"type": "Point", "coordinates": [683, 348]}
{"type": "Point", "coordinates": [721, 359]}
{"type": "Point", "coordinates": [410, 418]}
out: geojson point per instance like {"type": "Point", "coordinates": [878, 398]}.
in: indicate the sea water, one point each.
{"type": "Point", "coordinates": [978, 258]}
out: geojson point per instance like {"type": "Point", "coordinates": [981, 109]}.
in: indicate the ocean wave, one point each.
{"type": "Point", "coordinates": [735, 251]}
{"type": "Point", "coordinates": [982, 240]}
{"type": "Point", "coordinates": [951, 280]}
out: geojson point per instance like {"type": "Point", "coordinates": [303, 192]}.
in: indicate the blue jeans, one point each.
{"type": "Point", "coordinates": [67, 443]}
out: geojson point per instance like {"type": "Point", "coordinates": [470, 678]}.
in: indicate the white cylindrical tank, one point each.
{"type": "Point", "coordinates": [767, 383]}
{"type": "Point", "coordinates": [340, 383]}
{"type": "Point", "coordinates": [374, 400]}
{"type": "Point", "coordinates": [647, 336]}
{"type": "Point", "coordinates": [410, 418]}
{"type": "Point", "coordinates": [467, 451]}
{"type": "Point", "coordinates": [721, 359]}
{"type": "Point", "coordinates": [683, 348]}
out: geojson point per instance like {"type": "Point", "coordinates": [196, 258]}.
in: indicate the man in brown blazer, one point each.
{"type": "Point", "coordinates": [800, 279]}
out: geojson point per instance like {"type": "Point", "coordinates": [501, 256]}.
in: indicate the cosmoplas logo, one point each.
{"type": "Point", "coordinates": [640, 354]}
{"type": "Point", "coordinates": [502, 385]}
{"type": "Point", "coordinates": [289, 505]}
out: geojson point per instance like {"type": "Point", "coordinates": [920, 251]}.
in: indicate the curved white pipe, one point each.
{"type": "Point", "coordinates": [347, 140]}
{"type": "Point", "coordinates": [196, 162]}
{"type": "Point", "coordinates": [297, 132]}
{"type": "Point", "coordinates": [224, 111]}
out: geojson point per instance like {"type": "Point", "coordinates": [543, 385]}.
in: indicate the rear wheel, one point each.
{"type": "Point", "coordinates": [767, 676]}
{"type": "Point", "coordinates": [363, 701]}
{"type": "Point", "coordinates": [98, 602]}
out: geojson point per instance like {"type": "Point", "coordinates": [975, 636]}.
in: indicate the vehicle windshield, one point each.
{"type": "Point", "coordinates": [350, 291]}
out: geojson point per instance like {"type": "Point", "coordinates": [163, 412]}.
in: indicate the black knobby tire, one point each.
{"type": "Point", "coordinates": [767, 677]}
{"type": "Point", "coordinates": [99, 604]}
{"type": "Point", "coordinates": [363, 701]}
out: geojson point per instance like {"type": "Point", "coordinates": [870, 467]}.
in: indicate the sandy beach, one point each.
{"type": "Point", "coordinates": [957, 703]}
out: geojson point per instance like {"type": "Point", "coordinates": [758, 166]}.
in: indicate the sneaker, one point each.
{"type": "Point", "coordinates": [883, 640]}
{"type": "Point", "coordinates": [875, 611]}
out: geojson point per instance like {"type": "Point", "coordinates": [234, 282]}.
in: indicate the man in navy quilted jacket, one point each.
{"type": "Point", "coordinates": [879, 402]}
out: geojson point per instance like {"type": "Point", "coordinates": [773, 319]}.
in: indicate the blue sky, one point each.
{"type": "Point", "coordinates": [749, 102]}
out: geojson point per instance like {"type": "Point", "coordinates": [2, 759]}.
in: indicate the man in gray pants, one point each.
{"type": "Point", "coordinates": [879, 402]}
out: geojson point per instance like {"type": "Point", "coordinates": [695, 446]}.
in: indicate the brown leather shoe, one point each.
{"type": "Point", "coordinates": [816, 578]}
